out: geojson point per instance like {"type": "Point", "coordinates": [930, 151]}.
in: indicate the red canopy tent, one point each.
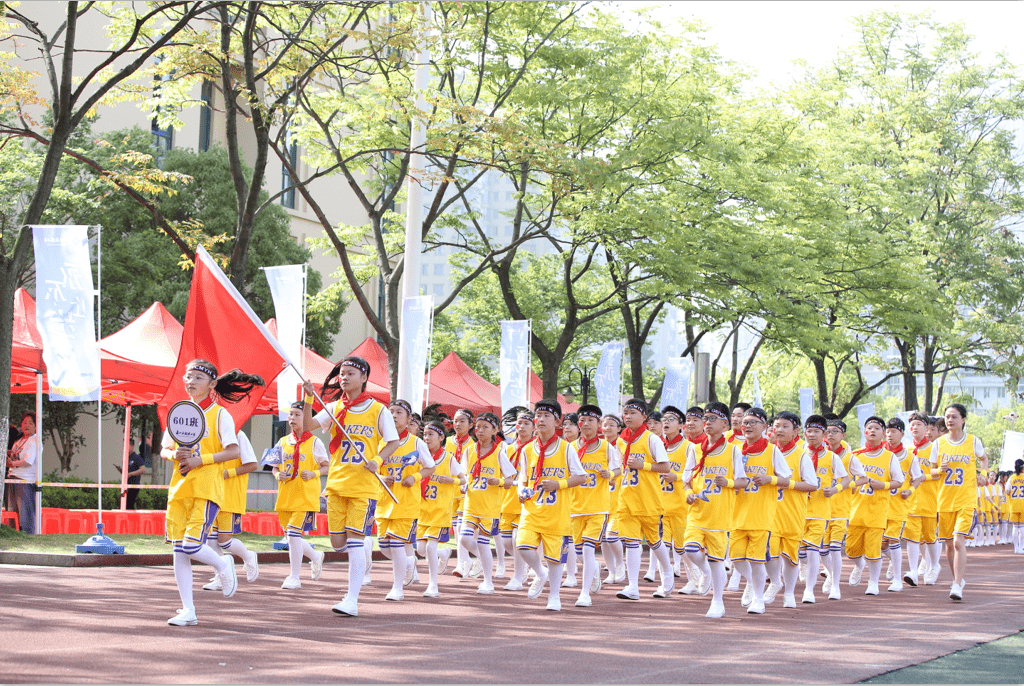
{"type": "Point", "coordinates": [371, 351]}
{"type": "Point", "coordinates": [467, 388]}
{"type": "Point", "coordinates": [26, 344]}
{"type": "Point", "coordinates": [537, 394]}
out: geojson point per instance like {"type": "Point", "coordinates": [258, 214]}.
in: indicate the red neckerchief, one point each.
{"type": "Point", "coordinates": [785, 449]}
{"type": "Point", "coordinates": [585, 444]}
{"type": "Point", "coordinates": [205, 403]}
{"type": "Point", "coordinates": [704, 453]}
{"type": "Point", "coordinates": [459, 445]}
{"type": "Point", "coordinates": [518, 452]}
{"type": "Point", "coordinates": [869, 449]}
{"type": "Point", "coordinates": [296, 454]}
{"type": "Point", "coordinates": [669, 444]}
{"type": "Point", "coordinates": [757, 446]}
{"type": "Point", "coordinates": [480, 458]}
{"type": "Point", "coordinates": [346, 404]}
{"type": "Point", "coordinates": [541, 449]}
{"type": "Point", "coordinates": [894, 451]}
{"type": "Point", "coordinates": [918, 446]}
{"type": "Point", "coordinates": [402, 434]}
{"type": "Point", "coordinates": [814, 454]}
{"type": "Point", "coordinates": [436, 459]}
{"type": "Point", "coordinates": [630, 438]}
{"type": "Point", "coordinates": [701, 440]}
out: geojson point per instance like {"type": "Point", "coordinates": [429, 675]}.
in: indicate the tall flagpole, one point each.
{"type": "Point", "coordinates": [414, 205]}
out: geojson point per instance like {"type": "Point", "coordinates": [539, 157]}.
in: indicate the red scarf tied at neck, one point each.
{"type": "Point", "coordinates": [756, 447]}
{"type": "Point", "coordinates": [297, 453]}
{"type": "Point", "coordinates": [789, 446]}
{"type": "Point", "coordinates": [815, 453]}
{"type": "Point", "coordinates": [541, 452]}
{"type": "Point", "coordinates": [478, 465]}
{"type": "Point", "coordinates": [346, 405]}
{"type": "Point", "coordinates": [630, 436]}
{"type": "Point", "coordinates": [707, 450]}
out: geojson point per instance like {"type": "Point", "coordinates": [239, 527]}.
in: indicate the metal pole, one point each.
{"type": "Point", "coordinates": [39, 452]}
{"type": "Point", "coordinates": [124, 460]}
{"type": "Point", "coordinates": [99, 400]}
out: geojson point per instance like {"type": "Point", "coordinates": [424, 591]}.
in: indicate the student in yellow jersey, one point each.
{"type": "Point", "coordinates": [711, 480]}
{"type": "Point", "coordinates": [550, 466]}
{"type": "Point", "coordinates": [590, 502]}
{"type": "Point", "coordinates": [791, 514]}
{"type": "Point", "coordinates": [831, 474]}
{"type": "Point", "coordinates": [611, 544]}
{"type": "Point", "coordinates": [571, 427]}
{"type": "Point", "coordinates": [456, 446]}
{"type": "Point", "coordinates": [899, 502]}
{"type": "Point", "coordinates": [197, 484]}
{"type": "Point", "coordinates": [871, 504]}
{"type": "Point", "coordinates": [673, 496]}
{"type": "Point", "coordinates": [402, 471]}
{"type": "Point", "coordinates": [656, 424]}
{"type": "Point", "coordinates": [922, 518]}
{"type": "Point", "coordinates": [369, 439]}
{"type": "Point", "coordinates": [842, 503]}
{"type": "Point", "coordinates": [438, 491]}
{"type": "Point", "coordinates": [570, 432]}
{"type": "Point", "coordinates": [298, 494]}
{"type": "Point", "coordinates": [489, 470]}
{"type": "Point", "coordinates": [511, 509]}
{"type": "Point", "coordinates": [1004, 507]}
{"type": "Point", "coordinates": [735, 432]}
{"type": "Point", "coordinates": [696, 441]}
{"type": "Point", "coordinates": [959, 454]}
{"type": "Point", "coordinates": [1015, 494]}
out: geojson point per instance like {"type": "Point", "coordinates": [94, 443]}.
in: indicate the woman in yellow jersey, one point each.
{"type": "Point", "coordinates": [488, 470]}
{"type": "Point", "coordinates": [197, 485]}
{"type": "Point", "coordinates": [511, 509]}
{"type": "Point", "coordinates": [402, 471]}
{"type": "Point", "coordinates": [436, 508]}
{"type": "Point", "coordinates": [1015, 496]}
{"type": "Point", "coordinates": [1002, 486]}
{"type": "Point", "coordinates": [611, 544]}
{"type": "Point", "coordinates": [305, 460]}
{"type": "Point", "coordinates": [457, 446]}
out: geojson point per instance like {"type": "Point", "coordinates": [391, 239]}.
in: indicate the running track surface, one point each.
{"type": "Point", "coordinates": [109, 625]}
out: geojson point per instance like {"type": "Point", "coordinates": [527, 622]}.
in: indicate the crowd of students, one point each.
{"type": "Point", "coordinates": [712, 491]}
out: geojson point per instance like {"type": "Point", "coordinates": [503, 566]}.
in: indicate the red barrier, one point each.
{"type": "Point", "coordinates": [12, 517]}
{"type": "Point", "coordinates": [268, 524]}
{"type": "Point", "coordinates": [321, 525]}
{"type": "Point", "coordinates": [53, 520]}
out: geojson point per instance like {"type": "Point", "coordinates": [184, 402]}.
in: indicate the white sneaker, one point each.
{"type": "Point", "coordinates": [554, 605]}
{"type": "Point", "coordinates": [229, 579]}
{"type": "Point", "coordinates": [933, 575]}
{"type": "Point", "coordinates": [476, 570]}
{"type": "Point", "coordinates": [251, 567]}
{"type": "Point", "coordinates": [570, 582]}
{"type": "Point", "coordinates": [809, 596]}
{"type": "Point", "coordinates": [650, 578]}
{"type": "Point", "coordinates": [734, 581]}
{"type": "Point", "coordinates": [620, 573]}
{"type": "Point", "coordinates": [629, 593]}
{"type": "Point", "coordinates": [705, 584]}
{"type": "Point", "coordinates": [748, 595]}
{"type": "Point", "coordinates": [395, 594]}
{"type": "Point", "coordinates": [896, 586]}
{"type": "Point", "coordinates": [444, 558]}
{"type": "Point", "coordinates": [910, 578]}
{"type": "Point", "coordinates": [537, 587]}
{"type": "Point", "coordinates": [347, 607]}
{"type": "Point", "coordinates": [663, 592]}
{"type": "Point", "coordinates": [500, 572]}
{"type": "Point", "coordinates": [788, 600]}
{"type": "Point", "coordinates": [595, 585]}
{"type": "Point", "coordinates": [460, 571]}
{"type": "Point", "coordinates": [367, 581]}
{"type": "Point", "coordinates": [835, 594]}
{"type": "Point", "coordinates": [855, 575]}
{"type": "Point", "coordinates": [410, 573]}
{"type": "Point", "coordinates": [485, 588]}
{"type": "Point", "coordinates": [956, 591]}
{"type": "Point", "coordinates": [584, 600]}
{"type": "Point", "coordinates": [888, 572]}
{"type": "Point", "coordinates": [513, 585]}
{"type": "Point", "coordinates": [689, 588]}
{"type": "Point", "coordinates": [826, 585]}
{"type": "Point", "coordinates": [431, 591]}
{"type": "Point", "coordinates": [922, 567]}
{"type": "Point", "coordinates": [316, 565]}
{"type": "Point", "coordinates": [773, 590]}
{"type": "Point", "coordinates": [214, 584]}
{"type": "Point", "coordinates": [716, 610]}
{"type": "Point", "coordinates": [872, 588]}
{"type": "Point", "coordinates": [184, 618]}
{"type": "Point", "coordinates": [756, 608]}
{"type": "Point", "coordinates": [291, 583]}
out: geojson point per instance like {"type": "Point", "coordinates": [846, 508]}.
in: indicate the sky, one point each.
{"type": "Point", "coordinates": [768, 36]}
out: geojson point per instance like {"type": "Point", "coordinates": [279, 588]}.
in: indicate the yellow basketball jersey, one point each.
{"type": "Point", "coordinates": [755, 506]}
{"type": "Point", "coordinates": [347, 476]}
{"type": "Point", "coordinates": [592, 496]}
{"type": "Point", "coordinates": [925, 501]}
{"type": "Point", "coordinates": [436, 508]}
{"type": "Point", "coordinates": [296, 495]}
{"type": "Point", "coordinates": [205, 481]}
{"type": "Point", "coordinates": [871, 507]}
{"type": "Point", "coordinates": [483, 499]}
{"type": "Point", "coordinates": [1016, 492]}
{"type": "Point", "coordinates": [673, 495]}
{"type": "Point", "coordinates": [818, 506]}
{"type": "Point", "coordinates": [898, 507]}
{"type": "Point", "coordinates": [641, 489]}
{"type": "Point", "coordinates": [409, 497]}
{"type": "Point", "coordinates": [791, 515]}
{"type": "Point", "coordinates": [547, 512]}
{"type": "Point", "coordinates": [957, 491]}
{"type": "Point", "coordinates": [510, 504]}
{"type": "Point", "coordinates": [716, 514]}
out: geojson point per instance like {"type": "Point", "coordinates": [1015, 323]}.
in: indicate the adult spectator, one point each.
{"type": "Point", "coordinates": [21, 461]}
{"type": "Point", "coordinates": [136, 468]}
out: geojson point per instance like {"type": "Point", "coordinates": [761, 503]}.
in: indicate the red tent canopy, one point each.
{"type": "Point", "coordinates": [537, 394]}
{"type": "Point", "coordinates": [371, 351]}
{"type": "Point", "coordinates": [456, 377]}
{"type": "Point", "coordinates": [27, 344]}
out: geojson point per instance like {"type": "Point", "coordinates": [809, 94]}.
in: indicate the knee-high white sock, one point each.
{"type": "Point", "coordinates": [307, 549]}
{"type": "Point", "coordinates": [570, 562]}
{"type": "Point", "coordinates": [236, 547]}
{"type": "Point", "coordinates": [467, 540]}
{"type": "Point", "coordinates": [813, 567]}
{"type": "Point", "coordinates": [836, 558]}
{"type": "Point", "coordinates": [483, 548]}
{"type": "Point", "coordinates": [398, 562]}
{"type": "Point", "coordinates": [652, 564]}
{"type": "Point", "coordinates": [590, 566]}
{"type": "Point", "coordinates": [430, 552]}
{"type": "Point", "coordinates": [758, 575]}
{"type": "Point", "coordinates": [294, 556]}
{"type": "Point", "coordinates": [208, 556]}
{"type": "Point", "coordinates": [614, 553]}
{"type": "Point", "coordinates": [790, 575]}
{"type": "Point", "coordinates": [935, 554]}
{"type": "Point", "coordinates": [660, 553]}
{"type": "Point", "coordinates": [554, 579]}
{"type": "Point", "coordinates": [913, 556]}
{"type": "Point", "coordinates": [742, 567]}
{"type": "Point", "coordinates": [356, 566]}
{"type": "Point", "coordinates": [385, 547]}
{"type": "Point", "coordinates": [718, 580]}
{"type": "Point", "coordinates": [633, 555]}
{"type": "Point", "coordinates": [461, 552]}
{"type": "Point", "coordinates": [532, 559]}
{"type": "Point", "coordinates": [367, 551]}
{"type": "Point", "coordinates": [410, 557]}
{"type": "Point", "coordinates": [774, 570]}
{"type": "Point", "coordinates": [499, 550]}
{"type": "Point", "coordinates": [183, 579]}
{"type": "Point", "coordinates": [896, 554]}
{"type": "Point", "coordinates": [874, 570]}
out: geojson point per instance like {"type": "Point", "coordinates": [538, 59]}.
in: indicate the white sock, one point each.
{"type": "Point", "coordinates": [934, 552]}
{"type": "Point", "coordinates": [896, 553]}
{"type": "Point", "coordinates": [294, 556]}
{"type": "Point", "coordinates": [398, 562]}
{"type": "Point", "coordinates": [208, 556]}
{"type": "Point", "coordinates": [836, 557]}
{"type": "Point", "coordinates": [307, 549]}
{"type": "Point", "coordinates": [385, 547]}
{"type": "Point", "coordinates": [913, 556]}
{"type": "Point", "coordinates": [236, 547]}
{"type": "Point", "coordinates": [742, 567]}
{"type": "Point", "coordinates": [614, 553]}
{"type": "Point", "coordinates": [554, 580]}
{"type": "Point", "coordinates": [483, 547]}
{"type": "Point", "coordinates": [183, 579]}
{"type": "Point", "coordinates": [356, 567]}
{"type": "Point", "coordinates": [499, 550]}
{"type": "Point", "coordinates": [758, 575]}
{"type": "Point", "coordinates": [652, 563]}
{"type": "Point", "coordinates": [590, 567]}
{"type": "Point", "coordinates": [368, 551]}
{"type": "Point", "coordinates": [773, 569]}
{"type": "Point", "coordinates": [570, 562]}
{"type": "Point", "coordinates": [790, 575]}
{"type": "Point", "coordinates": [718, 580]}
{"type": "Point", "coordinates": [813, 567]}
{"type": "Point", "coordinates": [874, 570]}
{"type": "Point", "coordinates": [467, 540]}
{"type": "Point", "coordinates": [519, 566]}
{"type": "Point", "coordinates": [429, 547]}
{"type": "Point", "coordinates": [633, 555]}
{"type": "Point", "coordinates": [660, 554]}
{"type": "Point", "coordinates": [532, 559]}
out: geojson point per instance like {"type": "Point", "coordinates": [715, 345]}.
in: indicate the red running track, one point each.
{"type": "Point", "coordinates": [108, 625]}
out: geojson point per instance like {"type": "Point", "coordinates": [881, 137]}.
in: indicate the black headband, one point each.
{"type": "Point", "coordinates": [403, 404]}
{"type": "Point", "coordinates": [589, 413]}
{"type": "Point", "coordinates": [675, 414]}
{"type": "Point", "coordinates": [642, 409]}
{"type": "Point", "coordinates": [695, 412]}
{"type": "Point", "coordinates": [469, 415]}
{"type": "Point", "coordinates": [838, 423]}
{"type": "Point", "coordinates": [717, 412]}
{"type": "Point", "coordinates": [814, 425]}
{"type": "Point", "coordinates": [204, 368]}
{"type": "Point", "coordinates": [358, 365]}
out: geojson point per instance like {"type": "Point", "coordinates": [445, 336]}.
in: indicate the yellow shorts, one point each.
{"type": "Point", "coordinates": [588, 528]}
{"type": "Point", "coordinates": [784, 547]}
{"type": "Point", "coordinates": [712, 543]}
{"type": "Point", "coordinates": [814, 533]}
{"type": "Point", "coordinates": [636, 527]}
{"type": "Point", "coordinates": [227, 523]}
{"type": "Point", "coordinates": [862, 541]}
{"type": "Point", "coordinates": [188, 522]}
{"type": "Point", "coordinates": [486, 525]}
{"type": "Point", "coordinates": [401, 529]}
{"type": "Point", "coordinates": [959, 522]}
{"type": "Point", "coordinates": [295, 522]}
{"type": "Point", "coordinates": [673, 529]}
{"type": "Point", "coordinates": [1017, 517]}
{"type": "Point", "coordinates": [348, 515]}
{"type": "Point", "coordinates": [894, 529]}
{"type": "Point", "coordinates": [441, 534]}
{"type": "Point", "coordinates": [837, 533]}
{"type": "Point", "coordinates": [749, 544]}
{"type": "Point", "coordinates": [921, 529]}
{"type": "Point", "coordinates": [509, 521]}
{"type": "Point", "coordinates": [556, 548]}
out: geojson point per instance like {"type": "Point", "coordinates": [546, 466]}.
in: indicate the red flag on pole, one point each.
{"type": "Point", "coordinates": [221, 327]}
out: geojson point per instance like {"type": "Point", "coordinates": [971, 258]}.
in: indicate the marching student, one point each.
{"type": "Point", "coordinates": [640, 506]}
{"type": "Point", "coordinates": [735, 432]}
{"type": "Point", "coordinates": [298, 494]}
{"type": "Point", "coordinates": [489, 471]}
{"type": "Point", "coordinates": [611, 544]}
{"type": "Point", "coordinates": [922, 519]}
{"type": "Point", "coordinates": [462, 425]}
{"type": "Point", "coordinates": [197, 485]}
{"type": "Point", "coordinates": [711, 480]}
{"type": "Point", "coordinates": [696, 441]}
{"type": "Point", "coordinates": [959, 453]}
{"type": "Point", "coordinates": [673, 496]}
{"type": "Point", "coordinates": [570, 431]}
{"type": "Point", "coordinates": [899, 505]}
{"type": "Point", "coordinates": [550, 466]}
{"type": "Point", "coordinates": [1015, 485]}
{"type": "Point", "coordinates": [842, 503]}
{"type": "Point", "coordinates": [403, 471]}
{"type": "Point", "coordinates": [656, 424]}
{"type": "Point", "coordinates": [571, 427]}
{"type": "Point", "coordinates": [1004, 507]}
{"type": "Point", "coordinates": [368, 440]}
{"type": "Point", "coordinates": [590, 502]}
{"type": "Point", "coordinates": [871, 505]}
{"type": "Point", "coordinates": [511, 509]}
{"type": "Point", "coordinates": [229, 520]}
{"type": "Point", "coordinates": [831, 474]}
{"type": "Point", "coordinates": [438, 491]}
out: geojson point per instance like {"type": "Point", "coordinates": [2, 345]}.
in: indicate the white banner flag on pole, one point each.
{"type": "Point", "coordinates": [863, 412]}
{"type": "Point", "coordinates": [676, 387]}
{"type": "Point", "coordinates": [288, 289]}
{"type": "Point", "coordinates": [417, 312]}
{"type": "Point", "coordinates": [1013, 449]}
{"type": "Point", "coordinates": [806, 403]}
{"type": "Point", "coordinates": [608, 377]}
{"type": "Point", "coordinates": [65, 313]}
{"type": "Point", "coordinates": [514, 364]}
{"type": "Point", "coordinates": [758, 402]}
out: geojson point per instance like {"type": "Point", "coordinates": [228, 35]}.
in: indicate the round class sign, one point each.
{"type": "Point", "coordinates": [186, 423]}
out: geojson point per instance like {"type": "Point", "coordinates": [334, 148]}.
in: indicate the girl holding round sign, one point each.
{"type": "Point", "coordinates": [200, 434]}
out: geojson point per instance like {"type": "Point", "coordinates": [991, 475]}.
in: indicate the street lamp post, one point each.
{"type": "Point", "coordinates": [584, 375]}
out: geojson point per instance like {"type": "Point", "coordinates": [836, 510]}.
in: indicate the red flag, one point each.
{"type": "Point", "coordinates": [221, 327]}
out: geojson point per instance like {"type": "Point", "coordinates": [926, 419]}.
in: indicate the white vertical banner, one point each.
{"type": "Point", "coordinates": [514, 363]}
{"type": "Point", "coordinates": [65, 313]}
{"type": "Point", "coordinates": [806, 403]}
{"type": "Point", "coordinates": [1013, 449]}
{"type": "Point", "coordinates": [758, 401]}
{"type": "Point", "coordinates": [288, 289]}
{"type": "Point", "coordinates": [608, 377]}
{"type": "Point", "coordinates": [863, 412]}
{"type": "Point", "coordinates": [413, 353]}
{"type": "Point", "coordinates": [676, 387]}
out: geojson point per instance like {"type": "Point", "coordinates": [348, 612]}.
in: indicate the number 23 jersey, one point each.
{"type": "Point", "coordinates": [547, 512]}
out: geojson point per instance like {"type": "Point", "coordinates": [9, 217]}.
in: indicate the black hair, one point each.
{"type": "Point", "coordinates": [552, 406]}
{"type": "Point", "coordinates": [920, 417]}
{"type": "Point", "coordinates": [756, 412]}
{"type": "Point", "coordinates": [1018, 466]}
{"type": "Point", "coordinates": [589, 410]}
{"type": "Point", "coordinates": [940, 423]}
{"type": "Point", "coordinates": [490, 417]}
{"type": "Point", "coordinates": [742, 406]}
{"type": "Point", "coordinates": [718, 406]}
{"type": "Point", "coordinates": [572, 418]}
{"type": "Point", "coordinates": [656, 416]}
{"type": "Point", "coordinates": [959, 408]}
{"type": "Point", "coordinates": [466, 412]}
{"type": "Point", "coordinates": [897, 423]}
{"type": "Point", "coordinates": [815, 419]}
{"type": "Point", "coordinates": [792, 417]}
{"type": "Point", "coordinates": [616, 419]}
{"type": "Point", "coordinates": [331, 390]}
{"type": "Point", "coordinates": [438, 427]}
{"type": "Point", "coordinates": [232, 386]}
{"type": "Point", "coordinates": [837, 422]}
{"type": "Point", "coordinates": [874, 418]}
{"type": "Point", "coordinates": [298, 405]}
{"type": "Point", "coordinates": [415, 417]}
{"type": "Point", "coordinates": [638, 404]}
{"type": "Point", "coordinates": [511, 415]}
{"type": "Point", "coordinates": [29, 414]}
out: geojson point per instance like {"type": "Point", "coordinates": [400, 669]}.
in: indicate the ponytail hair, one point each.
{"type": "Point", "coordinates": [331, 390]}
{"type": "Point", "coordinates": [232, 386]}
